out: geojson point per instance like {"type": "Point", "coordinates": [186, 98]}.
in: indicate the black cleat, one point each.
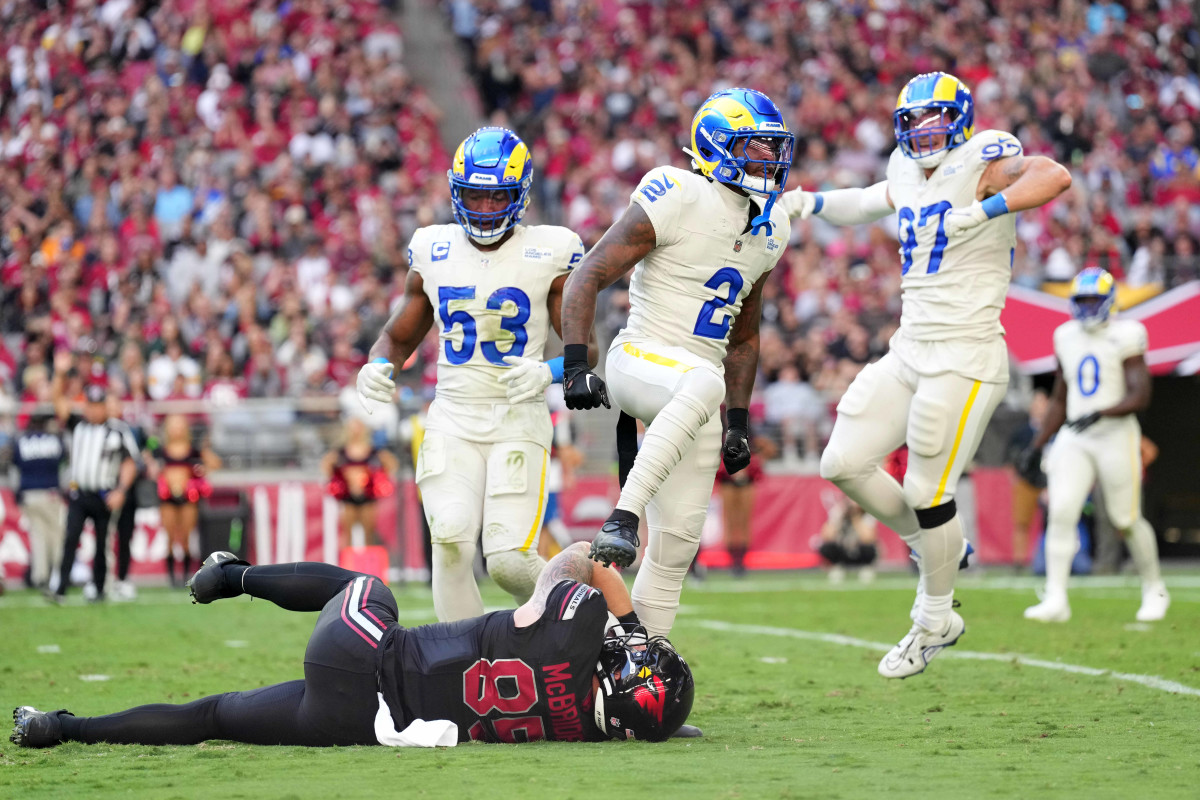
{"type": "Point", "coordinates": [687, 732]}
{"type": "Point", "coordinates": [616, 543]}
{"type": "Point", "coordinates": [33, 728]}
{"type": "Point", "coordinates": [208, 583]}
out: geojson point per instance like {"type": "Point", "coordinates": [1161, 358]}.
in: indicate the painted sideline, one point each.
{"type": "Point", "coordinates": [1149, 681]}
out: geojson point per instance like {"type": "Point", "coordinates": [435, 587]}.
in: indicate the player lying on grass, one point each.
{"type": "Point", "coordinates": [556, 668]}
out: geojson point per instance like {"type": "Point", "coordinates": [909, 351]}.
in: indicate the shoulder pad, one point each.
{"type": "Point", "coordinates": [992, 144]}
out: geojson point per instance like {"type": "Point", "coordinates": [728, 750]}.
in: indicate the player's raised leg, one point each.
{"type": "Point", "coordinates": [675, 519]}
{"type": "Point", "coordinates": [1070, 474]}
{"type": "Point", "coordinates": [945, 424]}
{"type": "Point", "coordinates": [452, 476]}
{"type": "Point", "coordinates": [1120, 475]}
{"type": "Point", "coordinates": [514, 506]}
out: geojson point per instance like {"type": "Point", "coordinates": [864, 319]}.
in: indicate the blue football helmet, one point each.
{"type": "Point", "coordinates": [1093, 293]}
{"type": "Point", "coordinates": [738, 127]}
{"type": "Point", "coordinates": [491, 159]}
{"type": "Point", "coordinates": [924, 136]}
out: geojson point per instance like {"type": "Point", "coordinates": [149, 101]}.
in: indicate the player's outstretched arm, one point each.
{"type": "Point", "coordinates": [624, 244]}
{"type": "Point", "coordinates": [1026, 181]}
{"type": "Point", "coordinates": [400, 336]}
{"type": "Point", "coordinates": [840, 206]}
{"type": "Point", "coordinates": [573, 564]}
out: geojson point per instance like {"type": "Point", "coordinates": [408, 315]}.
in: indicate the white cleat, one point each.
{"type": "Point", "coordinates": [124, 592]}
{"type": "Point", "coordinates": [919, 647]}
{"type": "Point", "coordinates": [1155, 602]}
{"type": "Point", "coordinates": [1049, 611]}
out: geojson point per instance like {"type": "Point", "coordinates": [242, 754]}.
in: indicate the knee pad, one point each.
{"type": "Point", "coordinates": [927, 420]}
{"type": "Point", "coordinates": [920, 489]}
{"type": "Point", "coordinates": [451, 523]}
{"type": "Point", "coordinates": [703, 388]}
{"type": "Point", "coordinates": [454, 556]}
{"type": "Point", "coordinates": [515, 571]}
{"type": "Point", "coordinates": [834, 465]}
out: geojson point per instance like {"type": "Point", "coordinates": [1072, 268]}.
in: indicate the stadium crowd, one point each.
{"type": "Point", "coordinates": [204, 198]}
{"type": "Point", "coordinates": [606, 90]}
{"type": "Point", "coordinates": [207, 198]}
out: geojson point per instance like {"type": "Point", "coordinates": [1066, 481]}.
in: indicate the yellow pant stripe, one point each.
{"type": "Point", "coordinates": [962, 426]}
{"type": "Point", "coordinates": [654, 358]}
{"type": "Point", "coordinates": [537, 518]}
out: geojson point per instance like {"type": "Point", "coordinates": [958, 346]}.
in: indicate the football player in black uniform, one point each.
{"type": "Point", "coordinates": [556, 668]}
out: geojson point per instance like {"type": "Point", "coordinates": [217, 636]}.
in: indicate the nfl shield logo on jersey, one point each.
{"type": "Point", "coordinates": [737, 246]}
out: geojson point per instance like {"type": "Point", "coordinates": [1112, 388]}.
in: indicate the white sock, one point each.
{"type": "Point", "coordinates": [1143, 548]}
{"type": "Point", "coordinates": [940, 550]}
{"type": "Point", "coordinates": [935, 610]}
{"type": "Point", "coordinates": [656, 591]}
{"type": "Point", "coordinates": [455, 592]}
{"type": "Point", "coordinates": [1062, 541]}
{"type": "Point", "coordinates": [666, 440]}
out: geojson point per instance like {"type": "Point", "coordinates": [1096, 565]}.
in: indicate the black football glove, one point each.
{"type": "Point", "coordinates": [1084, 422]}
{"type": "Point", "coordinates": [582, 388]}
{"type": "Point", "coordinates": [736, 452]}
{"type": "Point", "coordinates": [1029, 465]}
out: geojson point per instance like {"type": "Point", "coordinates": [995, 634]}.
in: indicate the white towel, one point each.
{"type": "Point", "coordinates": [419, 733]}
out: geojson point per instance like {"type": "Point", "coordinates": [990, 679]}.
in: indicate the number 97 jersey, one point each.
{"type": "Point", "coordinates": [951, 288]}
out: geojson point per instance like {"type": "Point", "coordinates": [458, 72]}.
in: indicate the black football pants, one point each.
{"type": "Point", "coordinates": [336, 702]}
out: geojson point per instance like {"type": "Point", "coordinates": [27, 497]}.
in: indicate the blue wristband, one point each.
{"type": "Point", "coordinates": [994, 206]}
{"type": "Point", "coordinates": [819, 204]}
{"type": "Point", "coordinates": [556, 369]}
{"type": "Point", "coordinates": [380, 360]}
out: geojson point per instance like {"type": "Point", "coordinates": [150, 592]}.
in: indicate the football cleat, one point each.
{"type": "Point", "coordinates": [1050, 610]}
{"type": "Point", "coordinates": [616, 543]}
{"type": "Point", "coordinates": [33, 728]}
{"type": "Point", "coordinates": [919, 647]}
{"type": "Point", "coordinates": [208, 583]}
{"type": "Point", "coordinates": [1155, 602]}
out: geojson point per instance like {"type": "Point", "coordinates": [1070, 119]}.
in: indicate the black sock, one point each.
{"type": "Point", "coordinates": [187, 565]}
{"type": "Point", "coordinates": [171, 566]}
{"type": "Point", "coordinates": [620, 515]}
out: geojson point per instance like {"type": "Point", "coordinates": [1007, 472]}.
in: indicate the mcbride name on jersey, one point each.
{"type": "Point", "coordinates": [488, 305]}
{"type": "Point", "coordinates": [688, 290]}
{"type": "Point", "coordinates": [498, 682]}
{"type": "Point", "coordinates": [951, 288]}
{"type": "Point", "coordinates": [1093, 362]}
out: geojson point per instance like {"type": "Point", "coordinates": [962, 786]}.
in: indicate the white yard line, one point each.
{"type": "Point", "coordinates": [1150, 681]}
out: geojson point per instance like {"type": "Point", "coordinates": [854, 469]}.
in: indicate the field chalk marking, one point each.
{"type": "Point", "coordinates": [1150, 681]}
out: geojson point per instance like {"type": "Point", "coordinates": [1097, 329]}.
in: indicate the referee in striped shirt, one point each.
{"type": "Point", "coordinates": [103, 467]}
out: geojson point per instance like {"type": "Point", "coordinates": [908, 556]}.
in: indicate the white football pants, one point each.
{"type": "Point", "coordinates": [469, 488]}
{"type": "Point", "coordinates": [678, 396]}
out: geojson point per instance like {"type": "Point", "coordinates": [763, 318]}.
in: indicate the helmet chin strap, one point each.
{"type": "Point", "coordinates": [763, 220]}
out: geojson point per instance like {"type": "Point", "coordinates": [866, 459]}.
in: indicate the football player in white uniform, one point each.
{"type": "Point", "coordinates": [494, 287]}
{"type": "Point", "coordinates": [703, 242]}
{"type": "Point", "coordinates": [954, 192]}
{"type": "Point", "coordinates": [1101, 383]}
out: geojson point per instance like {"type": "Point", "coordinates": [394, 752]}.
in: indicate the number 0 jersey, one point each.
{"type": "Point", "coordinates": [951, 288]}
{"type": "Point", "coordinates": [1093, 362]}
{"type": "Point", "coordinates": [690, 287]}
{"type": "Point", "coordinates": [488, 305]}
{"type": "Point", "coordinates": [497, 682]}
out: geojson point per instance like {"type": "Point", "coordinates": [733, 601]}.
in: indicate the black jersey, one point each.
{"type": "Point", "coordinates": [498, 682]}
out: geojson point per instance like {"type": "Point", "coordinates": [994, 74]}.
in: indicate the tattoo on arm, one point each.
{"type": "Point", "coordinates": [741, 357]}
{"type": "Point", "coordinates": [571, 564]}
{"type": "Point", "coordinates": [1014, 167]}
{"type": "Point", "coordinates": [626, 243]}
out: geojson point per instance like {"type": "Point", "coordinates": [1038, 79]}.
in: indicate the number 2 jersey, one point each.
{"type": "Point", "coordinates": [488, 305]}
{"type": "Point", "coordinates": [689, 288]}
{"type": "Point", "coordinates": [498, 682]}
{"type": "Point", "coordinates": [952, 290]}
{"type": "Point", "coordinates": [1093, 362]}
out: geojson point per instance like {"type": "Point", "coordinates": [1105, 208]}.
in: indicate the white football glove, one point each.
{"type": "Point", "coordinates": [527, 379]}
{"type": "Point", "coordinates": [375, 384]}
{"type": "Point", "coordinates": [798, 203]}
{"type": "Point", "coordinates": [961, 220]}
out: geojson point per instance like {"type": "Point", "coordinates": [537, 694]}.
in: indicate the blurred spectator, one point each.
{"type": "Point", "coordinates": [181, 469]}
{"type": "Point", "coordinates": [359, 474]}
{"type": "Point", "coordinates": [38, 454]}
{"type": "Point", "coordinates": [847, 539]}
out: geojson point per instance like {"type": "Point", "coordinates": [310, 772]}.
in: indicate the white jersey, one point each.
{"type": "Point", "coordinates": [688, 290]}
{"type": "Point", "coordinates": [1093, 362]}
{"type": "Point", "coordinates": [488, 305]}
{"type": "Point", "coordinates": [952, 290]}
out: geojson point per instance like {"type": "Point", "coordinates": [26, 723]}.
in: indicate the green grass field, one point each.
{"type": "Point", "coordinates": [787, 695]}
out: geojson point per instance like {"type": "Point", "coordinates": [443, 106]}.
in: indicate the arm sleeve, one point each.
{"type": "Point", "coordinates": [131, 445]}
{"type": "Point", "coordinates": [854, 206]}
{"type": "Point", "coordinates": [661, 195]}
{"type": "Point", "coordinates": [575, 250]}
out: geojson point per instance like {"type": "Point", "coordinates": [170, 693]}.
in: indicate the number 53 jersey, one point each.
{"type": "Point", "coordinates": [951, 288]}
{"type": "Point", "coordinates": [488, 305]}
{"type": "Point", "coordinates": [689, 288]}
